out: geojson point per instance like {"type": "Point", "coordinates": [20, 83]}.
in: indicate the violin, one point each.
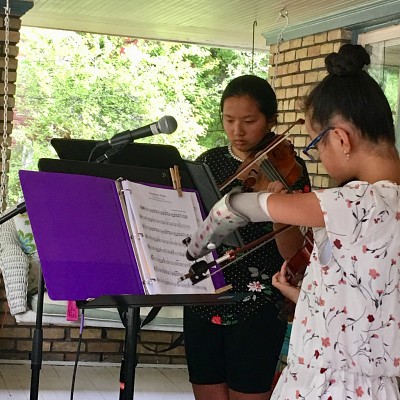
{"type": "Point", "coordinates": [200, 269]}
{"type": "Point", "coordinates": [272, 159]}
{"type": "Point", "coordinates": [295, 270]}
{"type": "Point", "coordinates": [297, 264]}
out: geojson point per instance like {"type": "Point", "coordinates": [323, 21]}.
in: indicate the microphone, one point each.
{"type": "Point", "coordinates": [166, 124]}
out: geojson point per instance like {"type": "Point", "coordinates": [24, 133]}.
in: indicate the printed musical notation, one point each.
{"type": "Point", "coordinates": [160, 250]}
{"type": "Point", "coordinates": [164, 213]}
{"type": "Point", "coordinates": [163, 231]}
{"type": "Point", "coordinates": [160, 220]}
{"type": "Point", "coordinates": [164, 261]}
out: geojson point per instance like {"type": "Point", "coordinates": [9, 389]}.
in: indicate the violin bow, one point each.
{"type": "Point", "coordinates": [231, 255]}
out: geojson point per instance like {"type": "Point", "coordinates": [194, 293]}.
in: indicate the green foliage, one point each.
{"type": "Point", "coordinates": [81, 85]}
{"type": "Point", "coordinates": [388, 78]}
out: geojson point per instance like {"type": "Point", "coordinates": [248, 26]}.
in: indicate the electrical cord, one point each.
{"type": "Point", "coordinates": [177, 342]}
{"type": "Point", "coordinates": [92, 152]}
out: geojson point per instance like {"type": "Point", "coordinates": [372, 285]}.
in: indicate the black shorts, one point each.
{"type": "Point", "coordinates": [243, 355]}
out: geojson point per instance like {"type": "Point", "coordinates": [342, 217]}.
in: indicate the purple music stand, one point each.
{"type": "Point", "coordinates": [41, 202]}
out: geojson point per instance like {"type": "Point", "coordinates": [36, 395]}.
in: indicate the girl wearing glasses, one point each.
{"type": "Point", "coordinates": [345, 341]}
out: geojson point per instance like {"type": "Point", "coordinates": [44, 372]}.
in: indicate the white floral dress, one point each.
{"type": "Point", "coordinates": [345, 341]}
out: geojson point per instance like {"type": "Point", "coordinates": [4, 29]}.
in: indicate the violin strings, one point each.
{"type": "Point", "coordinates": [271, 172]}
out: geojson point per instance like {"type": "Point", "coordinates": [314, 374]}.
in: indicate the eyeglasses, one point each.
{"type": "Point", "coordinates": [311, 151]}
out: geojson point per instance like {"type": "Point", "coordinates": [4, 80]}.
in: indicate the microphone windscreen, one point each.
{"type": "Point", "coordinates": [167, 124]}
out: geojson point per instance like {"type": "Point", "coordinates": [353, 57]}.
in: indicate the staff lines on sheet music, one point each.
{"type": "Point", "coordinates": [164, 261]}
{"type": "Point", "coordinates": [161, 250]}
{"type": "Point", "coordinates": [163, 231]}
{"type": "Point", "coordinates": [162, 222]}
{"type": "Point", "coordinates": [168, 283]}
{"type": "Point", "coordinates": [167, 272]}
{"type": "Point", "coordinates": [159, 240]}
{"type": "Point", "coordinates": [164, 213]}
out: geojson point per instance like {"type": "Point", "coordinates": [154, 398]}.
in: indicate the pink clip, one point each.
{"type": "Point", "coordinates": [72, 311]}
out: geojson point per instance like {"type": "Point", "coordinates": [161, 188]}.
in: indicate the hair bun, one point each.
{"type": "Point", "coordinates": [350, 60]}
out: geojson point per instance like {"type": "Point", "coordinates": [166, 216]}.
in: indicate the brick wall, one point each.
{"type": "Point", "coordinates": [297, 65]}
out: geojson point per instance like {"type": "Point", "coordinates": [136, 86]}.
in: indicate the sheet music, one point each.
{"type": "Point", "coordinates": [160, 220]}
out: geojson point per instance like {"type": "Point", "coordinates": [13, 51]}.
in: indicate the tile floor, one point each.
{"type": "Point", "coordinates": [93, 382]}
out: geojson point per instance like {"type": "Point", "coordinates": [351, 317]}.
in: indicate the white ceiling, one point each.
{"type": "Point", "coordinates": [219, 23]}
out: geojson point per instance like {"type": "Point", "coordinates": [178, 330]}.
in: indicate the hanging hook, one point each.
{"type": "Point", "coordinates": [253, 46]}
{"type": "Point", "coordinates": [283, 13]}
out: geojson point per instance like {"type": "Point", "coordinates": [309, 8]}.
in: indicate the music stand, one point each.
{"type": "Point", "coordinates": [132, 303]}
{"type": "Point", "coordinates": [132, 328]}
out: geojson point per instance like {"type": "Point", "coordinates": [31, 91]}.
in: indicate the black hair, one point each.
{"type": "Point", "coordinates": [350, 92]}
{"type": "Point", "coordinates": [255, 87]}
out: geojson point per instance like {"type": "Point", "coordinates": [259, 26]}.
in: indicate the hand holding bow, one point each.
{"type": "Point", "coordinates": [233, 211]}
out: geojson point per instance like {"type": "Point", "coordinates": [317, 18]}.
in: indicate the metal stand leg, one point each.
{"type": "Point", "coordinates": [129, 362]}
{"type": "Point", "coordinates": [37, 343]}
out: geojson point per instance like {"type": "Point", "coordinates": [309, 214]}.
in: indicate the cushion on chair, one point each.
{"type": "Point", "coordinates": [14, 266]}
{"type": "Point", "coordinates": [27, 242]}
